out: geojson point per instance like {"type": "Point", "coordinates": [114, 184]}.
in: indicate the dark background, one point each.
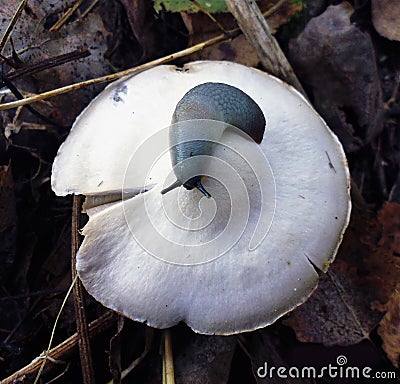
{"type": "Point", "coordinates": [347, 56]}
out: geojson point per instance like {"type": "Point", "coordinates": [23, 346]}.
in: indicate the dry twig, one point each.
{"type": "Point", "coordinates": [53, 331]}
{"type": "Point", "coordinates": [255, 28]}
{"type": "Point", "coordinates": [137, 361]}
{"type": "Point", "coordinates": [79, 300]}
{"type": "Point", "coordinates": [11, 25]}
{"type": "Point", "coordinates": [66, 16]}
{"type": "Point", "coordinates": [132, 71]}
{"type": "Point", "coordinates": [209, 15]}
{"type": "Point", "coordinates": [67, 346]}
{"type": "Point", "coordinates": [118, 75]}
{"type": "Point", "coordinates": [28, 70]}
{"type": "Point", "coordinates": [168, 359]}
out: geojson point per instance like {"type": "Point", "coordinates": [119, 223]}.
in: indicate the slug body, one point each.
{"type": "Point", "coordinates": [191, 136]}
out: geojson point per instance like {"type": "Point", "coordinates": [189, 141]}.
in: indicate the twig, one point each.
{"type": "Point", "coordinates": [255, 28]}
{"type": "Point", "coordinates": [11, 25]}
{"type": "Point", "coordinates": [51, 62]}
{"type": "Point", "coordinates": [33, 46]}
{"type": "Point", "coordinates": [136, 362]}
{"type": "Point", "coordinates": [115, 76]}
{"type": "Point", "coordinates": [53, 331]}
{"type": "Point", "coordinates": [89, 8]}
{"type": "Point", "coordinates": [210, 16]}
{"type": "Point", "coordinates": [53, 380]}
{"type": "Point", "coordinates": [95, 328]}
{"type": "Point", "coordinates": [168, 359]}
{"type": "Point", "coordinates": [42, 292]}
{"type": "Point", "coordinates": [79, 300]}
{"type": "Point", "coordinates": [275, 8]}
{"type": "Point", "coordinates": [31, 69]}
{"type": "Point", "coordinates": [21, 321]}
{"type": "Point", "coordinates": [65, 17]}
{"type": "Point", "coordinates": [19, 95]}
{"type": "Point", "coordinates": [134, 70]}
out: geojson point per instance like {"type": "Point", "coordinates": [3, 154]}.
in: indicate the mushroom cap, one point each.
{"type": "Point", "coordinates": [233, 263]}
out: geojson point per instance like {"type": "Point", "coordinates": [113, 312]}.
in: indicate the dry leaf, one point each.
{"type": "Point", "coordinates": [344, 309]}
{"type": "Point", "coordinates": [143, 24]}
{"type": "Point", "coordinates": [385, 17]}
{"type": "Point", "coordinates": [8, 220]}
{"type": "Point", "coordinates": [264, 348]}
{"type": "Point", "coordinates": [337, 60]}
{"type": "Point", "coordinates": [283, 15]}
{"type": "Point", "coordinates": [389, 328]}
{"type": "Point", "coordinates": [201, 28]}
{"type": "Point", "coordinates": [203, 359]}
{"type": "Point", "coordinates": [34, 43]}
{"type": "Point", "coordinates": [188, 5]}
{"type": "Point", "coordinates": [114, 358]}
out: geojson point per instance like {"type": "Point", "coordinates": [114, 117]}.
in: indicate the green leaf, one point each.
{"type": "Point", "coordinates": [186, 5]}
{"type": "Point", "coordinates": [297, 2]}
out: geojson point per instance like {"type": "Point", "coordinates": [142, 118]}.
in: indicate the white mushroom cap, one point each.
{"type": "Point", "coordinates": [217, 264]}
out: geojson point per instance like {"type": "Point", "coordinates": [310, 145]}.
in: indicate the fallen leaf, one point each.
{"type": "Point", "coordinates": [3, 149]}
{"type": "Point", "coordinates": [142, 22]}
{"type": "Point", "coordinates": [337, 61]}
{"type": "Point", "coordinates": [264, 349]}
{"type": "Point", "coordinates": [187, 5]}
{"type": "Point", "coordinates": [34, 43]}
{"type": "Point", "coordinates": [202, 28]}
{"type": "Point", "coordinates": [147, 29]}
{"type": "Point", "coordinates": [8, 220]}
{"type": "Point", "coordinates": [326, 318]}
{"type": "Point", "coordinates": [389, 217]}
{"type": "Point", "coordinates": [385, 17]}
{"type": "Point", "coordinates": [343, 310]}
{"type": "Point", "coordinates": [389, 328]}
{"type": "Point", "coordinates": [238, 49]}
{"type": "Point", "coordinates": [114, 358]}
{"type": "Point", "coordinates": [283, 15]}
{"type": "Point", "coordinates": [203, 359]}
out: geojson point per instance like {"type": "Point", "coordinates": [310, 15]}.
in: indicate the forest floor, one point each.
{"type": "Point", "coordinates": [347, 57]}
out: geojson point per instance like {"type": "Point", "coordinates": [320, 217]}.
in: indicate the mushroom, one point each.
{"type": "Point", "coordinates": [231, 263]}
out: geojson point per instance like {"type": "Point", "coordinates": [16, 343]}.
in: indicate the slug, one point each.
{"type": "Point", "coordinates": [210, 101]}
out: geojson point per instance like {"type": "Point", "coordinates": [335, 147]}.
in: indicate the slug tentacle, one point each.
{"type": "Point", "coordinates": [208, 101]}
{"type": "Point", "coordinates": [174, 185]}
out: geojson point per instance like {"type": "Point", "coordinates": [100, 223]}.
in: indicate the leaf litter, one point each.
{"type": "Point", "coordinates": [356, 301]}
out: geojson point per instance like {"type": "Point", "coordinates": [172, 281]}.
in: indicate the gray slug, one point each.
{"type": "Point", "coordinates": [211, 101]}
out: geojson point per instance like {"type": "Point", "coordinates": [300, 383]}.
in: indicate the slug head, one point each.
{"type": "Point", "coordinates": [194, 182]}
{"type": "Point", "coordinates": [199, 121]}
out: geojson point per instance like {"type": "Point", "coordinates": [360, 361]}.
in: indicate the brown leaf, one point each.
{"type": "Point", "coordinates": [204, 359]}
{"type": "Point", "coordinates": [34, 43]}
{"type": "Point", "coordinates": [8, 220]}
{"type": "Point", "coordinates": [114, 359]}
{"type": "Point", "coordinates": [143, 24]}
{"type": "Point", "coordinates": [385, 17]}
{"type": "Point", "coordinates": [344, 309]}
{"type": "Point", "coordinates": [263, 347]}
{"type": "Point", "coordinates": [389, 217]}
{"type": "Point", "coordinates": [389, 328]}
{"type": "Point", "coordinates": [282, 16]}
{"type": "Point", "coordinates": [156, 34]}
{"type": "Point", "coordinates": [201, 28]}
{"type": "Point", "coordinates": [337, 60]}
